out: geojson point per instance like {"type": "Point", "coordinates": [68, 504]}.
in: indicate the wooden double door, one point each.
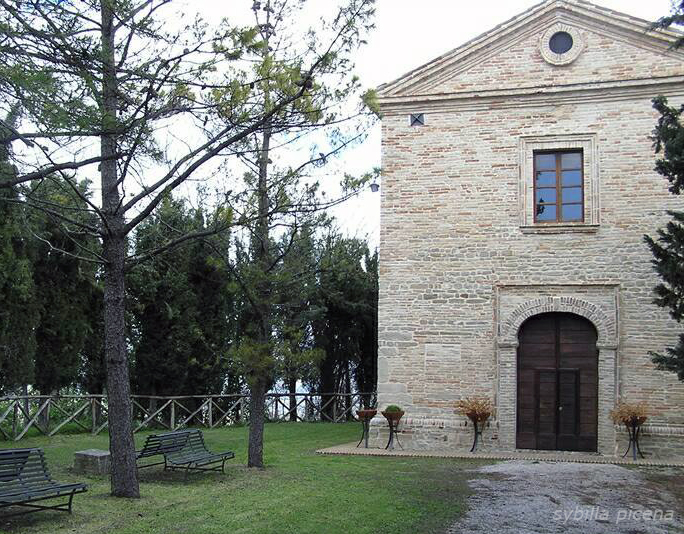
{"type": "Point", "coordinates": [557, 384]}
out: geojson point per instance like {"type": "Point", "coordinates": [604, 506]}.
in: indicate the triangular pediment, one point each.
{"type": "Point", "coordinates": [615, 46]}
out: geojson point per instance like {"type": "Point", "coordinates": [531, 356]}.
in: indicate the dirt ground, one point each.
{"type": "Point", "coordinates": [526, 497]}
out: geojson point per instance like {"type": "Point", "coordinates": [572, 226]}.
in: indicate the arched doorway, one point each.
{"type": "Point", "coordinates": [557, 405]}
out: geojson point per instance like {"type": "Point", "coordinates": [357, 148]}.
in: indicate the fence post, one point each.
{"type": "Point", "coordinates": [93, 415]}
{"type": "Point", "coordinates": [309, 409]}
{"type": "Point", "coordinates": [15, 415]}
{"type": "Point", "coordinates": [343, 405]}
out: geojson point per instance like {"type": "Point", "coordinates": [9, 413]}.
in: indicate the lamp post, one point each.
{"type": "Point", "coordinates": [375, 187]}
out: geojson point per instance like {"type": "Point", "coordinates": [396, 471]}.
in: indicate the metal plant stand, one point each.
{"type": "Point", "coordinates": [478, 435]}
{"type": "Point", "coordinates": [365, 417]}
{"type": "Point", "coordinates": [393, 435]}
{"type": "Point", "coordinates": [365, 421]}
{"type": "Point", "coordinates": [633, 429]}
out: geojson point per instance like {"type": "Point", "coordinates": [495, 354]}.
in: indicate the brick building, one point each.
{"type": "Point", "coordinates": [517, 186]}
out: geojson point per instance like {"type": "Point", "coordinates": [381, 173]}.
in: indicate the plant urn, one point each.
{"type": "Point", "coordinates": [393, 416]}
{"type": "Point", "coordinates": [366, 414]}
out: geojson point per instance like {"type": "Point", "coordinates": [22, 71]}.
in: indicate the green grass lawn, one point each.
{"type": "Point", "coordinates": [298, 492]}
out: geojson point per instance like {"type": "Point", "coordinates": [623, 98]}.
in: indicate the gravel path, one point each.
{"type": "Point", "coordinates": [524, 497]}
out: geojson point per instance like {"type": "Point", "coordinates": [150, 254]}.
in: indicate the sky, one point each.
{"type": "Point", "coordinates": [410, 33]}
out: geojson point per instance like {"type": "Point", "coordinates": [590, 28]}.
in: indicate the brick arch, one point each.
{"type": "Point", "coordinates": [605, 327]}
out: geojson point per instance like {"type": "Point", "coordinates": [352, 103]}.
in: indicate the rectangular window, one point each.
{"type": "Point", "coordinates": [558, 186]}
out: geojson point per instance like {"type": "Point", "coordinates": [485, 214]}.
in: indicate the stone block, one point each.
{"type": "Point", "coordinates": [92, 462]}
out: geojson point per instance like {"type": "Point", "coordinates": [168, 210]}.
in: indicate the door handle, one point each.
{"type": "Point", "coordinates": [560, 408]}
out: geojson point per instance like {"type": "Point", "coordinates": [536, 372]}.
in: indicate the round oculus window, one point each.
{"type": "Point", "coordinates": [560, 42]}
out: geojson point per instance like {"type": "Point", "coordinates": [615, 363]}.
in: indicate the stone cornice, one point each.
{"type": "Point", "coordinates": [579, 228]}
{"type": "Point", "coordinates": [557, 285]}
{"type": "Point", "coordinates": [507, 344]}
{"type": "Point", "coordinates": [535, 96]}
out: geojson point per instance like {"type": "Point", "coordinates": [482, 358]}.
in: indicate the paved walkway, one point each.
{"type": "Point", "coordinates": [583, 458]}
{"type": "Point", "coordinates": [524, 497]}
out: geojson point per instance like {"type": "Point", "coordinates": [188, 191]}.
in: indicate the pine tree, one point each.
{"type": "Point", "coordinates": [281, 186]}
{"type": "Point", "coordinates": [109, 83]}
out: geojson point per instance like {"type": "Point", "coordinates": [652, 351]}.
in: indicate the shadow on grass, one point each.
{"type": "Point", "coordinates": [31, 520]}
{"type": "Point", "coordinates": [178, 477]}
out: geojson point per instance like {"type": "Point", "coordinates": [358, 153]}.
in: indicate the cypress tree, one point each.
{"type": "Point", "coordinates": [18, 314]}
{"type": "Point", "coordinates": [668, 247]}
{"type": "Point", "coordinates": [64, 284]}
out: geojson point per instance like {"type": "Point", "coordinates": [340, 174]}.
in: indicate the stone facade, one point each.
{"type": "Point", "coordinates": [462, 262]}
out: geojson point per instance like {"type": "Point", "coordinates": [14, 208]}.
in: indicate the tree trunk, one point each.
{"type": "Point", "coordinates": [27, 405]}
{"type": "Point", "coordinates": [151, 408]}
{"type": "Point", "coordinates": [328, 387]}
{"type": "Point", "coordinates": [121, 445]}
{"type": "Point", "coordinates": [258, 384]}
{"type": "Point", "coordinates": [347, 393]}
{"type": "Point", "coordinates": [292, 385]}
{"type": "Point", "coordinates": [261, 245]}
{"type": "Point", "coordinates": [124, 479]}
{"type": "Point", "coordinates": [257, 399]}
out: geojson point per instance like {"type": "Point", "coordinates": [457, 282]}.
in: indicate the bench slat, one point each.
{"type": "Point", "coordinates": [24, 477]}
{"type": "Point", "coordinates": [156, 444]}
{"type": "Point", "coordinates": [184, 448]}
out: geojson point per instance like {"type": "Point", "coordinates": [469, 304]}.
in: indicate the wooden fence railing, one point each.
{"type": "Point", "coordinates": [49, 415]}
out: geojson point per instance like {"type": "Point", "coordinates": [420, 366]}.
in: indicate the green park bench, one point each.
{"type": "Point", "coordinates": [162, 444]}
{"type": "Point", "coordinates": [25, 480]}
{"type": "Point", "coordinates": [183, 449]}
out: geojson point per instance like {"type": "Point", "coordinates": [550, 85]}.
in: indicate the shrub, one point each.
{"type": "Point", "coordinates": [393, 408]}
{"type": "Point", "coordinates": [475, 408]}
{"type": "Point", "coordinates": [629, 414]}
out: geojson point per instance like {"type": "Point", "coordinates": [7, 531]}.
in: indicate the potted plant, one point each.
{"type": "Point", "coordinates": [633, 416]}
{"type": "Point", "coordinates": [393, 414]}
{"type": "Point", "coordinates": [478, 410]}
